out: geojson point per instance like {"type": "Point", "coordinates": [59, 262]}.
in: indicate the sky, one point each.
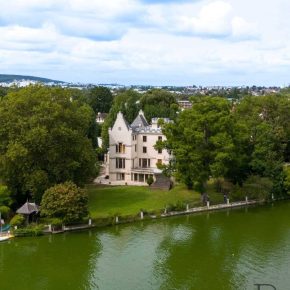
{"type": "Point", "coordinates": [162, 42]}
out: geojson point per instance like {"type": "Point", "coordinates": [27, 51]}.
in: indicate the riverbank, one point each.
{"type": "Point", "coordinates": [142, 216]}
{"type": "Point", "coordinates": [111, 205]}
{"type": "Point", "coordinates": [109, 201]}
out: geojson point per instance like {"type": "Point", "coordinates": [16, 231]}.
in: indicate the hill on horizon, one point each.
{"type": "Point", "coordinates": [11, 78]}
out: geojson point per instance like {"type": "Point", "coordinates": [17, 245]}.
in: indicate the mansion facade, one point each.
{"type": "Point", "coordinates": [132, 158]}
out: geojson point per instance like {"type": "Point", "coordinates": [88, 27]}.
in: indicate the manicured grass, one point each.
{"type": "Point", "coordinates": [105, 201]}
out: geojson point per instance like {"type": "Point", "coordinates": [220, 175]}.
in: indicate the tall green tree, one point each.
{"type": "Point", "coordinates": [202, 141]}
{"type": "Point", "coordinates": [100, 99]}
{"type": "Point", "coordinates": [265, 123]}
{"type": "Point", "coordinates": [159, 103]}
{"type": "Point", "coordinates": [44, 140]}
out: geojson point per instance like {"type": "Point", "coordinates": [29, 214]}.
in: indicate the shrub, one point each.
{"type": "Point", "coordinates": [65, 201]}
{"type": "Point", "coordinates": [30, 231]}
{"type": "Point", "coordinates": [4, 211]}
{"type": "Point", "coordinates": [150, 180]}
{"type": "Point", "coordinates": [178, 206]}
{"type": "Point", "coordinates": [18, 220]}
{"type": "Point", "coordinates": [257, 187]}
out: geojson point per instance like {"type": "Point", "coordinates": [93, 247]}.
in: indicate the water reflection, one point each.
{"type": "Point", "coordinates": [222, 250]}
{"type": "Point", "coordinates": [48, 262]}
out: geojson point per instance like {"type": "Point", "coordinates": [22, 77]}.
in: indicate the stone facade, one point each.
{"type": "Point", "coordinates": [132, 157]}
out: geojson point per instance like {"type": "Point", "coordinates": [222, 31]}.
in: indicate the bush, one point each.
{"type": "Point", "coordinates": [66, 202]}
{"type": "Point", "coordinates": [30, 231]}
{"type": "Point", "coordinates": [150, 180]}
{"type": "Point", "coordinates": [257, 187]}
{"type": "Point", "coordinates": [178, 206]}
{"type": "Point", "coordinates": [55, 222]}
{"type": "Point", "coordinates": [18, 220]}
{"type": "Point", "coordinates": [4, 211]}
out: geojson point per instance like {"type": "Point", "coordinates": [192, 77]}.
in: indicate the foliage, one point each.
{"type": "Point", "coordinates": [159, 103]}
{"type": "Point", "coordinates": [100, 99]}
{"type": "Point", "coordinates": [287, 179]}
{"type": "Point", "coordinates": [223, 186]}
{"type": "Point", "coordinates": [30, 231]}
{"type": "Point", "coordinates": [222, 139]}
{"type": "Point", "coordinates": [202, 141]}
{"type": "Point", "coordinates": [128, 103]}
{"type": "Point", "coordinates": [18, 220]}
{"type": "Point", "coordinates": [3, 92]}
{"type": "Point", "coordinates": [5, 196]}
{"type": "Point", "coordinates": [155, 103]}
{"type": "Point", "coordinates": [178, 206]}
{"type": "Point", "coordinates": [66, 202]}
{"type": "Point", "coordinates": [44, 140]}
{"type": "Point", "coordinates": [150, 180]}
{"type": "Point", "coordinates": [256, 187]}
{"type": "Point", "coordinates": [5, 210]}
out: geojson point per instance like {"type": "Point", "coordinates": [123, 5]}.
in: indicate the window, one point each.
{"type": "Point", "coordinates": [159, 138]}
{"type": "Point", "coordinates": [144, 162]}
{"type": "Point", "coordinates": [120, 162]}
{"type": "Point", "coordinates": [120, 176]}
{"type": "Point", "coordinates": [120, 148]}
{"type": "Point", "coordinates": [134, 137]}
{"type": "Point", "coordinates": [135, 148]}
{"type": "Point", "coordinates": [159, 161]}
{"type": "Point", "coordinates": [159, 151]}
{"type": "Point", "coordinates": [144, 149]}
{"type": "Point", "coordinates": [144, 138]}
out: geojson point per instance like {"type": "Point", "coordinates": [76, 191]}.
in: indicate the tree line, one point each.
{"type": "Point", "coordinates": [246, 143]}
{"type": "Point", "coordinates": [49, 139]}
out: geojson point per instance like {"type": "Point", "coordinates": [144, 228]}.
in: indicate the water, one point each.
{"type": "Point", "coordinates": [219, 250]}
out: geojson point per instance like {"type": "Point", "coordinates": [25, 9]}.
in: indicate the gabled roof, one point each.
{"type": "Point", "coordinates": [28, 208]}
{"type": "Point", "coordinates": [140, 121]}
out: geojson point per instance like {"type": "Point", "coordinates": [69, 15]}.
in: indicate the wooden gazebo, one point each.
{"type": "Point", "coordinates": [28, 209]}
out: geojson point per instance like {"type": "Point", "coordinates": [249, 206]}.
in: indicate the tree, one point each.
{"type": "Point", "coordinates": [159, 103]}
{"type": "Point", "coordinates": [5, 200]}
{"type": "Point", "coordinates": [44, 140]}
{"type": "Point", "coordinates": [264, 123]}
{"type": "Point", "coordinates": [100, 99]}
{"type": "Point", "coordinates": [202, 141]}
{"type": "Point", "coordinates": [65, 201]}
{"type": "Point", "coordinates": [3, 92]}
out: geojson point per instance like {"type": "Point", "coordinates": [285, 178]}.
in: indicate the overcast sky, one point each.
{"type": "Point", "coordinates": [234, 42]}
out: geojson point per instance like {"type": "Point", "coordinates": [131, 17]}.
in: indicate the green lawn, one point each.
{"type": "Point", "coordinates": [105, 201]}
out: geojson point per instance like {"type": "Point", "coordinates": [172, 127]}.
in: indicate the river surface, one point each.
{"type": "Point", "coordinates": [232, 249]}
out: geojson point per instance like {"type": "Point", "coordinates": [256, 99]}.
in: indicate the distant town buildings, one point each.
{"type": "Point", "coordinates": [184, 104]}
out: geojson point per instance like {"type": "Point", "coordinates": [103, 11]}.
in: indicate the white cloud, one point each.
{"type": "Point", "coordinates": [128, 41]}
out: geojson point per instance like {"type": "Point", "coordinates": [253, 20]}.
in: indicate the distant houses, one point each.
{"type": "Point", "coordinates": [100, 118]}
{"type": "Point", "coordinates": [184, 104]}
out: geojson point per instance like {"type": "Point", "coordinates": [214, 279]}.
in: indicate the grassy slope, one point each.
{"type": "Point", "coordinates": [107, 201]}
